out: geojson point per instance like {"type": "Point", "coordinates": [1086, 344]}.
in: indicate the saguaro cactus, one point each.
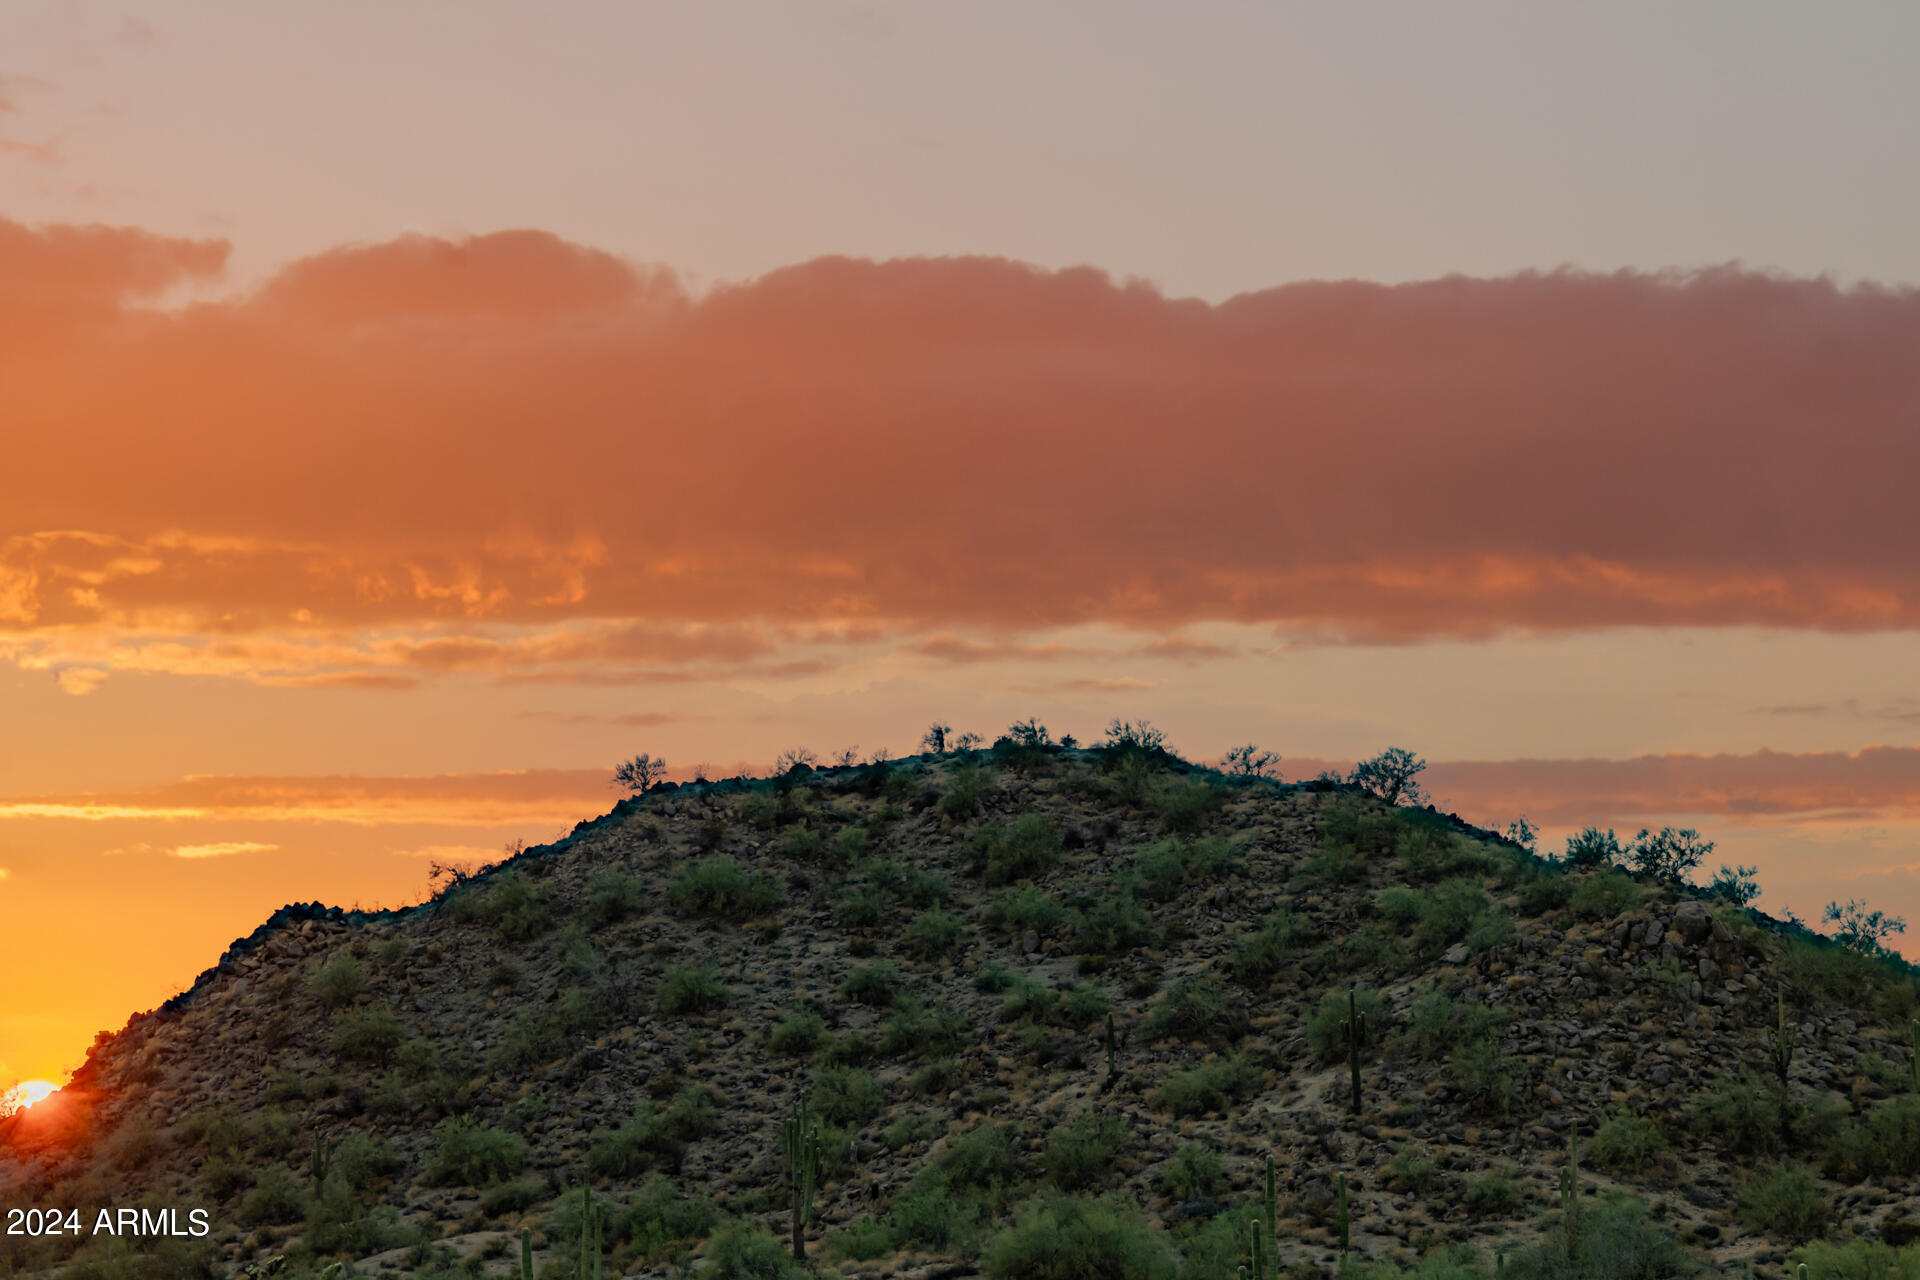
{"type": "Point", "coordinates": [526, 1253]}
{"type": "Point", "coordinates": [1343, 1221]}
{"type": "Point", "coordinates": [1785, 1038]}
{"type": "Point", "coordinates": [1354, 1027]}
{"type": "Point", "coordinates": [1113, 1063]}
{"type": "Point", "coordinates": [591, 1265]}
{"type": "Point", "coordinates": [800, 1141]}
{"type": "Point", "coordinates": [1570, 1189]}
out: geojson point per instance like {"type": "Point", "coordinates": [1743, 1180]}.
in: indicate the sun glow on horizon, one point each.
{"type": "Point", "coordinates": [26, 1094]}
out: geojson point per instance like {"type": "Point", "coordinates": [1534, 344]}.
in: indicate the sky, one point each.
{"type": "Point", "coordinates": [409, 411]}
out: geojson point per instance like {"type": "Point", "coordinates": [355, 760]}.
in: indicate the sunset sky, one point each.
{"type": "Point", "coordinates": [408, 411]}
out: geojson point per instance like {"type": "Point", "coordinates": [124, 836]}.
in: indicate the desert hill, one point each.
{"type": "Point", "coordinates": [1030, 1011]}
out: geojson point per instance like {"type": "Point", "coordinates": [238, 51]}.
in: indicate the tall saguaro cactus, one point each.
{"type": "Point", "coordinates": [591, 1265]}
{"type": "Point", "coordinates": [1354, 1027]}
{"type": "Point", "coordinates": [800, 1141]}
{"type": "Point", "coordinates": [1785, 1038]}
{"type": "Point", "coordinates": [1570, 1190]}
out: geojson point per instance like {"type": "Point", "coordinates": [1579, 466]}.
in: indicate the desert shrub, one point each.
{"type": "Point", "coordinates": [1029, 998]}
{"type": "Point", "coordinates": [876, 983]}
{"type": "Point", "coordinates": [940, 1076]}
{"type": "Point", "coordinates": [367, 1035]}
{"type": "Point", "coordinates": [1819, 968]}
{"type": "Point", "coordinates": [919, 1127]}
{"type": "Point", "coordinates": [760, 810]}
{"type": "Point", "coordinates": [846, 1095]}
{"type": "Point", "coordinates": [1603, 895]}
{"type": "Point", "coordinates": [516, 907]}
{"type": "Point", "coordinates": [1191, 1172]}
{"type": "Point", "coordinates": [863, 906]}
{"type": "Point", "coordinates": [1328, 1035]}
{"type": "Point", "coordinates": [934, 933]}
{"type": "Point", "coordinates": [1110, 923]}
{"type": "Point", "coordinates": [1000, 855]}
{"type": "Point", "coordinates": [1742, 1115]}
{"type": "Point", "coordinates": [1334, 862]}
{"type": "Point", "coordinates": [1627, 1142]}
{"type": "Point", "coordinates": [1210, 1086]}
{"type": "Point", "coordinates": [742, 1251]}
{"type": "Point", "coordinates": [1182, 804]}
{"type": "Point", "coordinates": [802, 843]}
{"type": "Point", "coordinates": [1436, 1023]}
{"type": "Point", "coordinates": [656, 1220]}
{"type": "Point", "coordinates": [1669, 855]}
{"type": "Point", "coordinates": [1014, 911]}
{"type": "Point", "coordinates": [850, 845]}
{"type": "Point", "coordinates": [1858, 1260]}
{"type": "Point", "coordinates": [1068, 1239]}
{"type": "Point", "coordinates": [1083, 1004]}
{"type": "Point", "coordinates": [978, 1160]}
{"type": "Point", "coordinates": [690, 988]}
{"type": "Point", "coordinates": [1197, 1008]}
{"type": "Point", "coordinates": [612, 895]}
{"type": "Point", "coordinates": [720, 888]}
{"type": "Point", "coordinates": [862, 1240]}
{"type": "Point", "coordinates": [1884, 1143]}
{"type": "Point", "coordinates": [1483, 1075]}
{"type": "Point", "coordinates": [471, 1154]}
{"type": "Point", "coordinates": [931, 1217]}
{"type": "Point", "coordinates": [992, 978]}
{"type": "Point", "coordinates": [1261, 954]}
{"type": "Point", "coordinates": [1411, 1170]}
{"type": "Point", "coordinates": [338, 1223]}
{"type": "Point", "coordinates": [1618, 1240]}
{"type": "Point", "coordinates": [1785, 1203]}
{"type": "Point", "coordinates": [1541, 891]}
{"type": "Point", "coordinates": [967, 790]}
{"type": "Point", "coordinates": [339, 981]}
{"type": "Point", "coordinates": [1493, 1194]}
{"type": "Point", "coordinates": [797, 1035]}
{"type": "Point", "coordinates": [1080, 1152]}
{"type": "Point", "coordinates": [850, 1048]}
{"type": "Point", "coordinates": [1593, 847]}
{"type": "Point", "coordinates": [917, 1028]}
{"type": "Point", "coordinates": [274, 1200]}
{"type": "Point", "coordinates": [530, 1039]}
{"type": "Point", "coordinates": [517, 1196]}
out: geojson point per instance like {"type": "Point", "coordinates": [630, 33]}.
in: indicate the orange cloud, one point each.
{"type": "Point", "coordinates": [389, 446]}
{"type": "Point", "coordinates": [454, 800]}
{"type": "Point", "coordinates": [1876, 781]}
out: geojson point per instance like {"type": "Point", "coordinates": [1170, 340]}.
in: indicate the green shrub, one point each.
{"type": "Point", "coordinates": [274, 1200]}
{"type": "Point", "coordinates": [1327, 1033]}
{"type": "Point", "coordinates": [1742, 1115]}
{"type": "Point", "coordinates": [338, 1223]}
{"type": "Point", "coordinates": [657, 1220]}
{"type": "Point", "coordinates": [470, 1154]}
{"type": "Point", "coordinates": [1436, 1024]}
{"type": "Point", "coordinates": [862, 1240]}
{"type": "Point", "coordinates": [1080, 1152]}
{"type": "Point", "coordinates": [530, 1040]}
{"type": "Point", "coordinates": [612, 895]}
{"type": "Point", "coordinates": [1411, 1170]}
{"type": "Point", "coordinates": [689, 988]}
{"type": "Point", "coordinates": [1334, 862]}
{"type": "Point", "coordinates": [1191, 1172]}
{"type": "Point", "coordinates": [1483, 1075]}
{"type": "Point", "coordinates": [976, 1160]}
{"type": "Point", "coordinates": [1884, 1143]}
{"type": "Point", "coordinates": [933, 934]}
{"type": "Point", "coordinates": [719, 888]}
{"type": "Point", "coordinates": [741, 1251]}
{"type": "Point", "coordinates": [1197, 1008]}
{"type": "Point", "coordinates": [1184, 803]}
{"type": "Point", "coordinates": [1000, 856]}
{"type": "Point", "coordinates": [846, 1095]}
{"type": "Point", "coordinates": [517, 1196]}
{"type": "Point", "coordinates": [1627, 1142]}
{"type": "Point", "coordinates": [516, 907]}
{"type": "Point", "coordinates": [1027, 998]}
{"type": "Point", "coordinates": [1083, 1004]}
{"type": "Point", "coordinates": [797, 1035]}
{"type": "Point", "coordinates": [1263, 953]}
{"type": "Point", "coordinates": [850, 845]}
{"type": "Point", "coordinates": [1785, 1203]}
{"type": "Point", "coordinates": [339, 981]}
{"type": "Point", "coordinates": [1112, 923]}
{"type": "Point", "coordinates": [1617, 1240]}
{"type": "Point", "coordinates": [967, 790]}
{"type": "Point", "coordinates": [931, 1217]}
{"type": "Point", "coordinates": [1541, 891]}
{"type": "Point", "coordinates": [863, 906]}
{"type": "Point", "coordinates": [1603, 895]}
{"type": "Point", "coordinates": [876, 983]}
{"type": "Point", "coordinates": [1857, 1260]}
{"type": "Point", "coordinates": [1210, 1086]}
{"type": "Point", "coordinates": [919, 1029]}
{"type": "Point", "coordinates": [992, 977]}
{"type": "Point", "coordinates": [760, 810]}
{"type": "Point", "coordinates": [1493, 1194]}
{"type": "Point", "coordinates": [367, 1035]}
{"type": "Point", "coordinates": [1014, 911]}
{"type": "Point", "coordinates": [1067, 1239]}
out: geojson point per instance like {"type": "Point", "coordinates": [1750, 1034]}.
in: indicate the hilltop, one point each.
{"type": "Point", "coordinates": [1054, 1013]}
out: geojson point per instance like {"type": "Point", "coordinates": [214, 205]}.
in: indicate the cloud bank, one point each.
{"type": "Point", "coordinates": [514, 430]}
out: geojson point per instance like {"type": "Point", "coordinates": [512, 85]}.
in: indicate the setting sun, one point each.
{"type": "Point", "coordinates": [26, 1094]}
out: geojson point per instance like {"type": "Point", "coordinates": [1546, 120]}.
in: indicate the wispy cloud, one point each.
{"type": "Point", "coordinates": [221, 849]}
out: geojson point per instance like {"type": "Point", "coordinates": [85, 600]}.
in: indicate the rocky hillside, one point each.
{"type": "Point", "coordinates": [1032, 1012]}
